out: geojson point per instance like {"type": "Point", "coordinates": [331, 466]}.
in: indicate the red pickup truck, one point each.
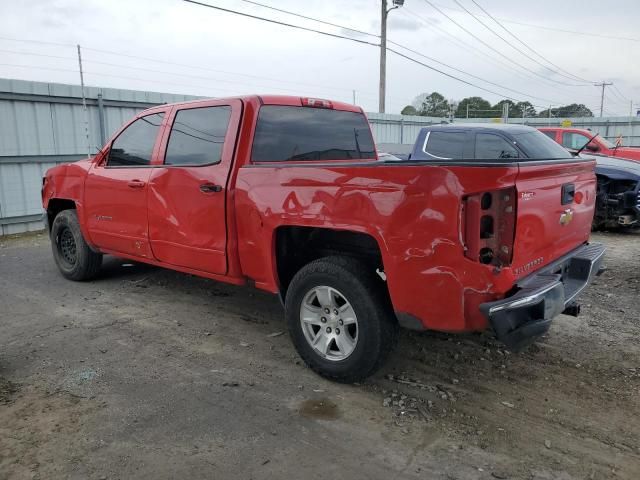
{"type": "Point", "coordinates": [576, 138]}
{"type": "Point", "coordinates": [288, 194]}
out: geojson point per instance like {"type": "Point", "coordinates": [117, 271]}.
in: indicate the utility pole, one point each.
{"type": "Point", "coordinates": [467, 110]}
{"type": "Point", "coordinates": [84, 103]}
{"type": "Point", "coordinates": [354, 97]}
{"type": "Point", "coordinates": [384, 13]}
{"type": "Point", "coordinates": [549, 114]}
{"type": "Point", "coordinates": [602, 84]}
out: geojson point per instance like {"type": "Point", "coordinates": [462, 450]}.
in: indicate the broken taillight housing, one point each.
{"type": "Point", "coordinates": [489, 220]}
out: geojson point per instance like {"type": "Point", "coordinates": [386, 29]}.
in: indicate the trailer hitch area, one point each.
{"type": "Point", "coordinates": [572, 309]}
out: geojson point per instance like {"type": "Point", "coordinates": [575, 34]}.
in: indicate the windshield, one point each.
{"type": "Point", "coordinates": [538, 146]}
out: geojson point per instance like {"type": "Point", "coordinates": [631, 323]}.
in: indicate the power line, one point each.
{"type": "Point", "coordinates": [560, 69]}
{"type": "Point", "coordinates": [100, 74]}
{"type": "Point", "coordinates": [200, 77]}
{"type": "Point", "coordinates": [545, 27]}
{"type": "Point", "coordinates": [59, 57]}
{"type": "Point", "coordinates": [277, 22]}
{"type": "Point", "coordinates": [172, 73]}
{"type": "Point", "coordinates": [471, 75]}
{"type": "Point", "coordinates": [453, 76]}
{"type": "Point", "coordinates": [397, 44]}
{"type": "Point", "coordinates": [289, 25]}
{"type": "Point", "coordinates": [619, 94]}
{"type": "Point", "coordinates": [503, 39]}
{"type": "Point", "coordinates": [310, 18]}
{"type": "Point", "coordinates": [348, 38]}
{"type": "Point", "coordinates": [465, 46]}
{"type": "Point", "coordinates": [38, 41]}
{"type": "Point", "coordinates": [199, 67]}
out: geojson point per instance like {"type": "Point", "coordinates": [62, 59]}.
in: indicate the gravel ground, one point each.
{"type": "Point", "coordinates": [147, 373]}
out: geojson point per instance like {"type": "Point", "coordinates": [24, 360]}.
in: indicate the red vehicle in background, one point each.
{"type": "Point", "coordinates": [575, 138]}
{"type": "Point", "coordinates": [478, 228]}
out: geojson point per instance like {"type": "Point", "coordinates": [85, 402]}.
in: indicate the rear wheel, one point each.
{"type": "Point", "coordinates": [75, 260]}
{"type": "Point", "coordinates": [340, 319]}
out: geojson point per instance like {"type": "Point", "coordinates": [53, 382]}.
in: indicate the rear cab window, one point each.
{"type": "Point", "coordinates": [197, 136]}
{"type": "Point", "coordinates": [490, 146]}
{"type": "Point", "coordinates": [301, 133]}
{"type": "Point", "coordinates": [445, 145]}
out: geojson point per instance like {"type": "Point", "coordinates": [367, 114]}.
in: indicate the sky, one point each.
{"type": "Point", "coordinates": [174, 46]}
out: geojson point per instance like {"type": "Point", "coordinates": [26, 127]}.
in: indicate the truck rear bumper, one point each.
{"type": "Point", "coordinates": [526, 315]}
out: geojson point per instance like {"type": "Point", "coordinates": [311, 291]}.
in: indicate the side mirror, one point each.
{"type": "Point", "coordinates": [592, 147]}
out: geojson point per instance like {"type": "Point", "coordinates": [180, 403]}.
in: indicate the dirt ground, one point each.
{"type": "Point", "coordinates": [147, 373]}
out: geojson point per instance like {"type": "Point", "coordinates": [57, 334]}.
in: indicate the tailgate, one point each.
{"type": "Point", "coordinates": [555, 209]}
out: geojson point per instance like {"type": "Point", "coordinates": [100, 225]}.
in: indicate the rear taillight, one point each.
{"type": "Point", "coordinates": [316, 103]}
{"type": "Point", "coordinates": [489, 226]}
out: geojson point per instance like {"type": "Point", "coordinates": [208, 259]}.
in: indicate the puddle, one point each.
{"type": "Point", "coordinates": [322, 409]}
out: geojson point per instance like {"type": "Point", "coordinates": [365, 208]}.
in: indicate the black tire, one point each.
{"type": "Point", "coordinates": [377, 329]}
{"type": "Point", "coordinates": [71, 253]}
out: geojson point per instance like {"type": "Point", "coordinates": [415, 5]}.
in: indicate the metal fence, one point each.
{"type": "Point", "coordinates": [43, 124]}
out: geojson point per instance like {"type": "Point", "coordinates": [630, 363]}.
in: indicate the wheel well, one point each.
{"type": "Point", "coordinates": [297, 246]}
{"type": "Point", "coordinates": [55, 206]}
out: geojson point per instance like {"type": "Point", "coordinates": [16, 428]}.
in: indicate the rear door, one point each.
{"type": "Point", "coordinates": [188, 189]}
{"type": "Point", "coordinates": [116, 189]}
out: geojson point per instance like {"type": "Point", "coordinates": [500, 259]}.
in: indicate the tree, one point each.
{"type": "Point", "coordinates": [478, 108]}
{"type": "Point", "coordinates": [431, 105]}
{"type": "Point", "coordinates": [527, 108]}
{"type": "Point", "coordinates": [513, 112]}
{"type": "Point", "coordinates": [572, 110]}
{"type": "Point", "coordinates": [409, 110]}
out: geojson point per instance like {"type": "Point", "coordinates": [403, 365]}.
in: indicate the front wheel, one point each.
{"type": "Point", "coordinates": [340, 319]}
{"type": "Point", "coordinates": [74, 258]}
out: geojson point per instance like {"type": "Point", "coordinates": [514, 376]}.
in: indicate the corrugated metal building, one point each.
{"type": "Point", "coordinates": [43, 124]}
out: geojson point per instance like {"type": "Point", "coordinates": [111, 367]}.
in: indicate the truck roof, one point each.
{"type": "Point", "coordinates": [502, 127]}
{"type": "Point", "coordinates": [567, 129]}
{"type": "Point", "coordinates": [264, 100]}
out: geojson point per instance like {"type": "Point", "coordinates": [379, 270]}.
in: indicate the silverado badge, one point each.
{"type": "Point", "coordinates": [566, 217]}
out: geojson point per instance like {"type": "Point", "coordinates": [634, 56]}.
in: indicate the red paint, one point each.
{"type": "Point", "coordinates": [597, 144]}
{"type": "Point", "coordinates": [414, 212]}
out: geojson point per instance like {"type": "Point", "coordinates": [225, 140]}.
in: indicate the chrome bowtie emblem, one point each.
{"type": "Point", "coordinates": [566, 217]}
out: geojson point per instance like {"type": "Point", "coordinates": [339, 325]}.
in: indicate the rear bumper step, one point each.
{"type": "Point", "coordinates": [520, 319]}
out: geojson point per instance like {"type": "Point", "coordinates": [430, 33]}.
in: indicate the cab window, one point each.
{"type": "Point", "coordinates": [134, 146]}
{"type": "Point", "coordinates": [574, 140]}
{"type": "Point", "coordinates": [286, 133]}
{"type": "Point", "coordinates": [550, 134]}
{"type": "Point", "coordinates": [445, 145]}
{"type": "Point", "coordinates": [197, 136]}
{"type": "Point", "coordinates": [494, 147]}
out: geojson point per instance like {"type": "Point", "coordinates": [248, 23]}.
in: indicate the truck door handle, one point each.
{"type": "Point", "coordinates": [210, 188]}
{"type": "Point", "coordinates": [568, 193]}
{"type": "Point", "coordinates": [136, 184]}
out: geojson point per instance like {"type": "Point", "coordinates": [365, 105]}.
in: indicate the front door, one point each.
{"type": "Point", "coordinates": [188, 190]}
{"type": "Point", "coordinates": [116, 189]}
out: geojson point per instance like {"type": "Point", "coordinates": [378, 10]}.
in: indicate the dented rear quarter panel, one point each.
{"type": "Point", "coordinates": [413, 212]}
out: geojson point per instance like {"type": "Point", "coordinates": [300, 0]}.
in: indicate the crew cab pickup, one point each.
{"type": "Point", "coordinates": [576, 138]}
{"type": "Point", "coordinates": [477, 229]}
